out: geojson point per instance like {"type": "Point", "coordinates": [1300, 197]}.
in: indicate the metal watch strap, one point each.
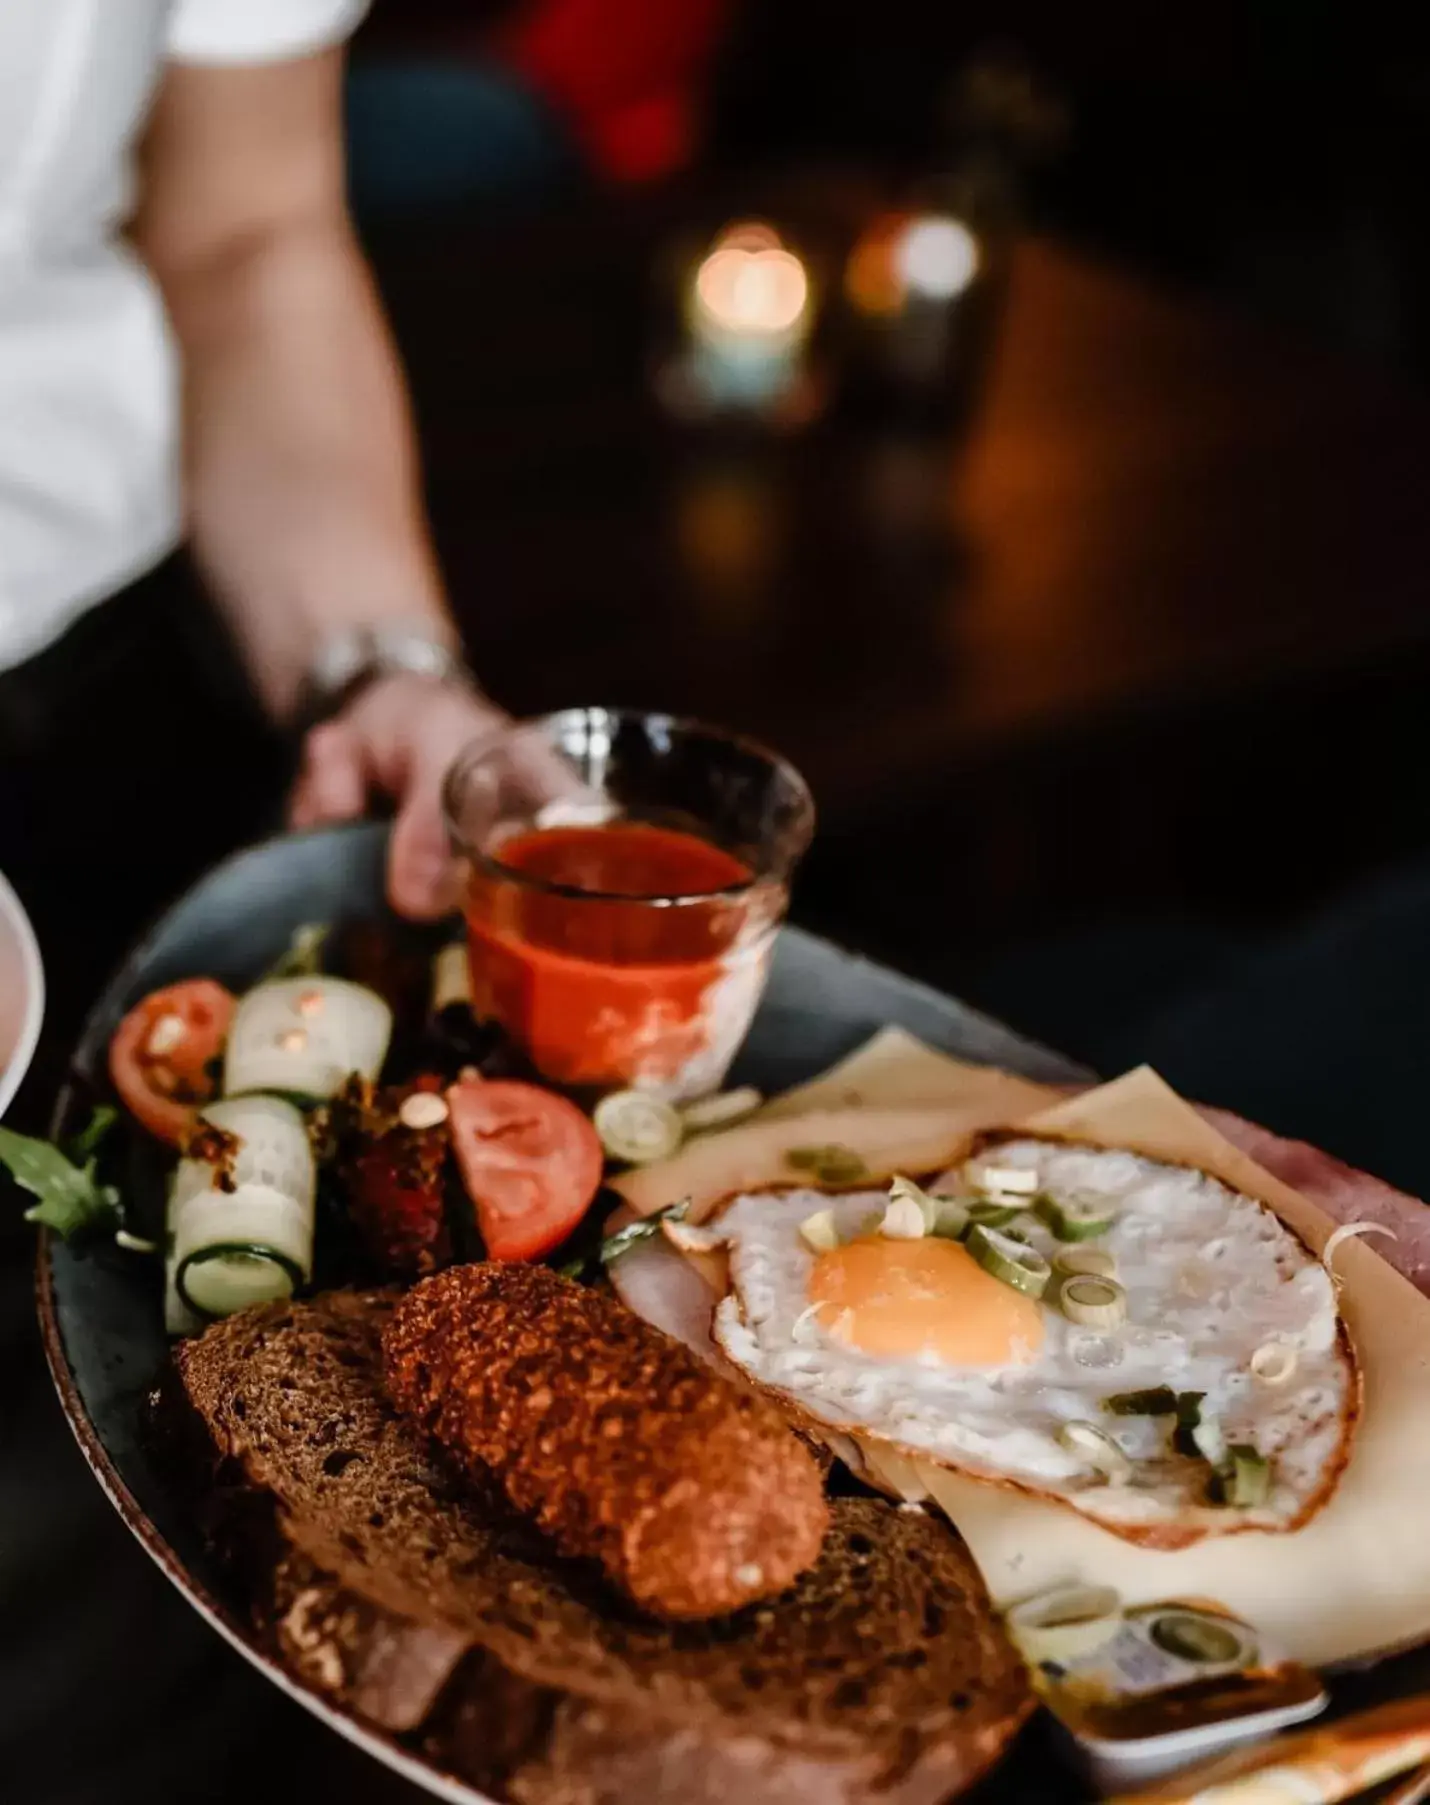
{"type": "Point", "coordinates": [348, 661]}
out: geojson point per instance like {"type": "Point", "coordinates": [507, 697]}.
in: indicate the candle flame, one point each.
{"type": "Point", "coordinates": [751, 235]}
{"type": "Point", "coordinates": [755, 290]}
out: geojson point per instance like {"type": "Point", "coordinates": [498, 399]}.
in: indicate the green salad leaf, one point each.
{"type": "Point", "coordinates": [72, 1201]}
{"type": "Point", "coordinates": [84, 1145]}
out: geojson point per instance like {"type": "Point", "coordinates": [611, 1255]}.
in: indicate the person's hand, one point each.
{"type": "Point", "coordinates": [396, 738]}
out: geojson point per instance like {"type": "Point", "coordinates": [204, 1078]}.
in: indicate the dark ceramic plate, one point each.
{"type": "Point", "coordinates": [100, 1313]}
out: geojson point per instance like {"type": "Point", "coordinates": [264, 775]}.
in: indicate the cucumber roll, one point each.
{"type": "Point", "coordinates": [241, 1210]}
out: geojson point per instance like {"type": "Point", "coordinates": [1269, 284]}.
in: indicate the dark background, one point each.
{"type": "Point", "coordinates": [1114, 704]}
{"type": "Point", "coordinates": [1270, 153]}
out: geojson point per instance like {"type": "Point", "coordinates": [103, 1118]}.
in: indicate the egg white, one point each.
{"type": "Point", "coordinates": [1210, 1276]}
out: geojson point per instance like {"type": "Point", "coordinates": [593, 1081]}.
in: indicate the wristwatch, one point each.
{"type": "Point", "coordinates": [349, 660]}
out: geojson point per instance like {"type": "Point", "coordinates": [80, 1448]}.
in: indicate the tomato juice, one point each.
{"type": "Point", "coordinates": [619, 954]}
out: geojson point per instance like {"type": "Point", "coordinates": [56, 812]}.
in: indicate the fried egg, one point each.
{"type": "Point", "coordinates": [912, 1347]}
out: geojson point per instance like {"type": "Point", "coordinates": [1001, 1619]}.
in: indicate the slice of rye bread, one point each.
{"type": "Point", "coordinates": [882, 1675]}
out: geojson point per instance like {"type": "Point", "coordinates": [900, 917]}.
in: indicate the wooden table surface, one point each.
{"type": "Point", "coordinates": [1155, 498]}
{"type": "Point", "coordinates": [1171, 550]}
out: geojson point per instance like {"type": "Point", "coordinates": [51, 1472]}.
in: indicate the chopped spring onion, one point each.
{"type": "Point", "coordinates": [1096, 1261]}
{"type": "Point", "coordinates": [1274, 1362]}
{"type": "Point", "coordinates": [1348, 1232]}
{"type": "Point", "coordinates": [722, 1110]}
{"type": "Point", "coordinates": [1244, 1480]}
{"type": "Point", "coordinates": [638, 1128]}
{"type": "Point", "coordinates": [1194, 1636]}
{"type": "Point", "coordinates": [1097, 1447]}
{"type": "Point", "coordinates": [804, 1330]}
{"type": "Point", "coordinates": [1003, 1181]}
{"type": "Point", "coordinates": [1065, 1623]}
{"type": "Point", "coordinates": [1074, 1218]}
{"type": "Point", "coordinates": [1207, 1439]}
{"type": "Point", "coordinates": [903, 1219]}
{"type": "Point", "coordinates": [1092, 1302]}
{"type": "Point", "coordinates": [993, 1215]}
{"type": "Point", "coordinates": [950, 1221]}
{"type": "Point", "coordinates": [903, 1189]}
{"type": "Point", "coordinates": [1159, 1400]}
{"type": "Point", "coordinates": [1198, 1434]}
{"type": "Point", "coordinates": [819, 1233]}
{"type": "Point", "coordinates": [1009, 1261]}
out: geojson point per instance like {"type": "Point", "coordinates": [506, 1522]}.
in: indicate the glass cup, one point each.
{"type": "Point", "coordinates": [625, 876]}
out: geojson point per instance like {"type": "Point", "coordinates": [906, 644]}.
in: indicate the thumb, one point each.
{"type": "Point", "coordinates": [421, 873]}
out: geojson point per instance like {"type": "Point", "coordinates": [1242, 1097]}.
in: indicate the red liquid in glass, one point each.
{"type": "Point", "coordinates": [609, 988]}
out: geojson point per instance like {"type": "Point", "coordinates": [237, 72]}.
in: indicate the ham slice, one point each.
{"type": "Point", "coordinates": [1340, 1190]}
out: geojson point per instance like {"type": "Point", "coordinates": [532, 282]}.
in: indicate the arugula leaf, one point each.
{"type": "Point", "coordinates": [304, 957]}
{"type": "Point", "coordinates": [86, 1143]}
{"type": "Point", "coordinates": [71, 1198]}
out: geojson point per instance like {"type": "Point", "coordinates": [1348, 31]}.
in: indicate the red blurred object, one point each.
{"type": "Point", "coordinates": [626, 75]}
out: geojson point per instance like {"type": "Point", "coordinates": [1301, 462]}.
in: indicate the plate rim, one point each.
{"type": "Point", "coordinates": [421, 1771]}
{"type": "Point", "coordinates": [23, 1052]}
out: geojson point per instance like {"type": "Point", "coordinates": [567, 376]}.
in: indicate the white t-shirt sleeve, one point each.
{"type": "Point", "coordinates": [258, 31]}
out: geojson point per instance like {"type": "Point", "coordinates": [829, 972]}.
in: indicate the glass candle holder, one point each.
{"type": "Point", "coordinates": [625, 876]}
{"type": "Point", "coordinates": [746, 314]}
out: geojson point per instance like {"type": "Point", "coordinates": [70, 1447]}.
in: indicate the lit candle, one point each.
{"type": "Point", "coordinates": [749, 313]}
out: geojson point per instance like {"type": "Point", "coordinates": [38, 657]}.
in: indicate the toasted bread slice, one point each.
{"type": "Point", "coordinates": [882, 1674]}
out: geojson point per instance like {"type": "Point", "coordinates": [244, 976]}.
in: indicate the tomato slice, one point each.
{"type": "Point", "coordinates": [530, 1160]}
{"type": "Point", "coordinates": [160, 1055]}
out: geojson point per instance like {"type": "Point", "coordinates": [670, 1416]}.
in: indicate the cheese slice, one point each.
{"type": "Point", "coordinates": [1356, 1580]}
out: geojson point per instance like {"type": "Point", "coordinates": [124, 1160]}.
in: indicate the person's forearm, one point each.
{"type": "Point", "coordinates": [302, 492]}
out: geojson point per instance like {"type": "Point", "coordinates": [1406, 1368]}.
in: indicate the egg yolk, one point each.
{"type": "Point", "coordinates": [906, 1298]}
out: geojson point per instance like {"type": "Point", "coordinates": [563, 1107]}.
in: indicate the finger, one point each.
{"type": "Point", "coordinates": [332, 785]}
{"type": "Point", "coordinates": [421, 873]}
